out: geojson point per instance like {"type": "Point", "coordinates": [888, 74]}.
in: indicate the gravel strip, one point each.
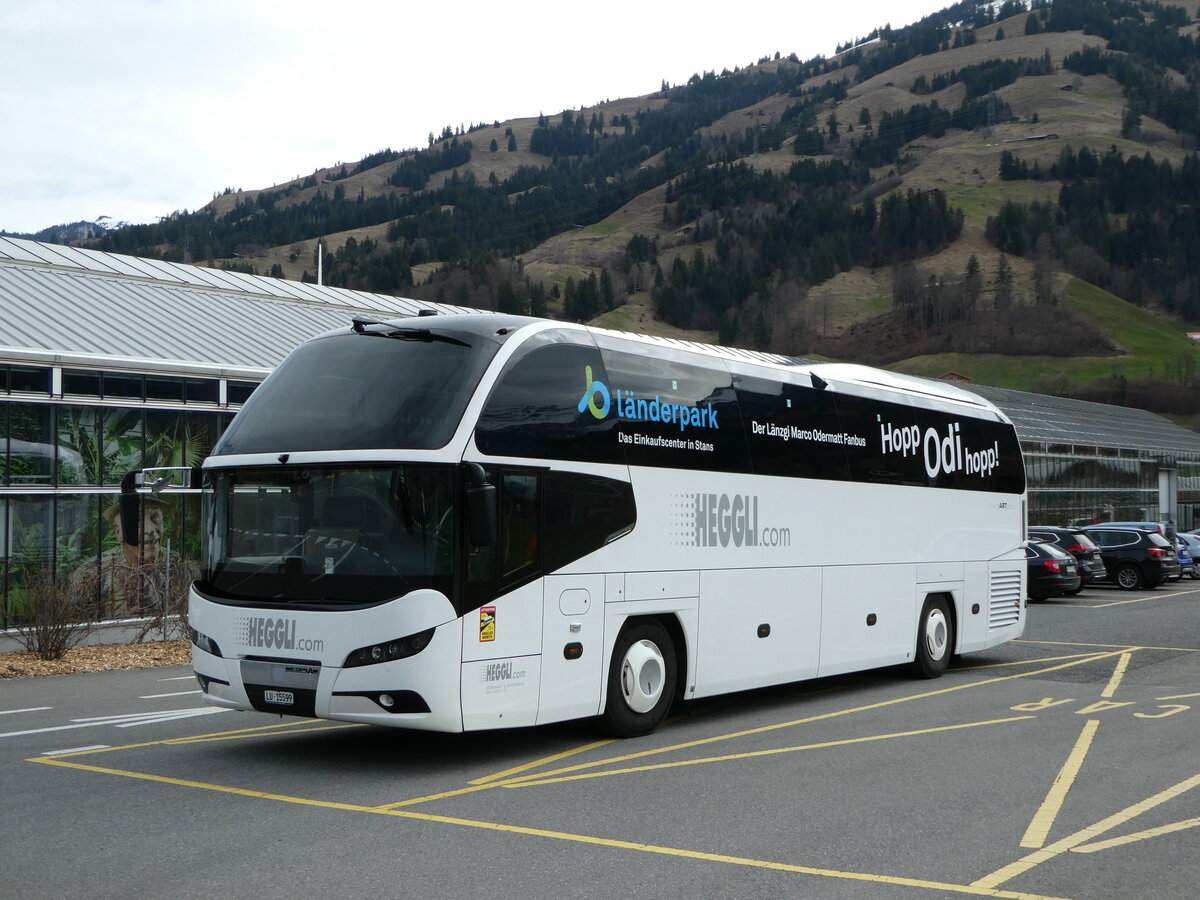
{"type": "Point", "coordinates": [22, 664]}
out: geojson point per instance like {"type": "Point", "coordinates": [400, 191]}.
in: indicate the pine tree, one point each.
{"type": "Point", "coordinates": [972, 286]}
{"type": "Point", "coordinates": [606, 289]}
{"type": "Point", "coordinates": [1002, 294]}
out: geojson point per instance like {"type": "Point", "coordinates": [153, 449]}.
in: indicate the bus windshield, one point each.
{"type": "Point", "coordinates": [362, 391]}
{"type": "Point", "coordinates": [324, 536]}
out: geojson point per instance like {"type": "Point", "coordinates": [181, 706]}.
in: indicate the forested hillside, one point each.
{"type": "Point", "coordinates": [944, 196]}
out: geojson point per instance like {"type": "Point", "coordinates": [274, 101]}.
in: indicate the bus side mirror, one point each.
{"type": "Point", "coordinates": [481, 507]}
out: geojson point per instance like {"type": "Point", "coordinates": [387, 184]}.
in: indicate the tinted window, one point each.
{"type": "Point", "coordinates": [1115, 538]}
{"type": "Point", "coordinates": [125, 386]}
{"type": "Point", "coordinates": [534, 410]}
{"type": "Point", "coordinates": [656, 406]}
{"type": "Point", "coordinates": [202, 390]}
{"type": "Point", "coordinates": [882, 441]}
{"type": "Point", "coordinates": [896, 443]}
{"type": "Point", "coordinates": [582, 514]}
{"type": "Point", "coordinates": [328, 536]}
{"type": "Point", "coordinates": [29, 378]}
{"type": "Point", "coordinates": [787, 426]}
{"type": "Point", "coordinates": [78, 382]}
{"type": "Point", "coordinates": [239, 391]}
{"type": "Point", "coordinates": [1083, 540]}
{"type": "Point", "coordinates": [514, 560]}
{"type": "Point", "coordinates": [163, 387]}
{"type": "Point", "coordinates": [673, 413]}
{"type": "Point", "coordinates": [361, 392]}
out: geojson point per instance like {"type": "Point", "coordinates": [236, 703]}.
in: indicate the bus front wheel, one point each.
{"type": "Point", "coordinates": [641, 680]}
{"type": "Point", "coordinates": [934, 638]}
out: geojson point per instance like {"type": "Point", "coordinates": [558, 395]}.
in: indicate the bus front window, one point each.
{"type": "Point", "coordinates": [327, 535]}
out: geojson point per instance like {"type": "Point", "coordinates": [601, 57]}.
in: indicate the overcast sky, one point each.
{"type": "Point", "coordinates": [135, 108]}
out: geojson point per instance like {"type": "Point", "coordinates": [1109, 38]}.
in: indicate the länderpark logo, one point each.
{"type": "Point", "coordinates": [633, 408]}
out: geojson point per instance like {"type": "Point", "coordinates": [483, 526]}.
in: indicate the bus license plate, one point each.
{"type": "Point", "coordinates": [282, 697]}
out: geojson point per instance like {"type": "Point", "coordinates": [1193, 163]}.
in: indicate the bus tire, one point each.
{"type": "Point", "coordinates": [641, 679]}
{"type": "Point", "coordinates": [935, 638]}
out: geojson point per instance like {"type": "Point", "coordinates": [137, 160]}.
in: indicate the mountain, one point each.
{"type": "Point", "coordinates": [1003, 192]}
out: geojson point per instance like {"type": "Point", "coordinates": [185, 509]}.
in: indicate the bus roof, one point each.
{"type": "Point", "coordinates": [844, 373]}
{"type": "Point", "coordinates": [841, 373]}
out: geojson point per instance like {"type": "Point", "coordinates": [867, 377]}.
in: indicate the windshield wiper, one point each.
{"type": "Point", "coordinates": [405, 334]}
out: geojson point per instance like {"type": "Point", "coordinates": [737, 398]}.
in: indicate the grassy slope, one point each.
{"type": "Point", "coordinates": [1149, 342]}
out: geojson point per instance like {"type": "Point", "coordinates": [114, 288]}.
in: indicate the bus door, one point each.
{"type": "Point", "coordinates": [502, 630]}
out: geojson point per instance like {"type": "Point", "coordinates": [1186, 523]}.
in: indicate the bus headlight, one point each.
{"type": "Point", "coordinates": [204, 642]}
{"type": "Point", "coordinates": [388, 651]}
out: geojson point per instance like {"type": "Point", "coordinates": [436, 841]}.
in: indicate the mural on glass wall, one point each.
{"type": "Point", "coordinates": [140, 577]}
{"type": "Point", "coordinates": [81, 452]}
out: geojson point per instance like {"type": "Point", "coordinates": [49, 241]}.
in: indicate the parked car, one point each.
{"type": "Point", "coordinates": [1134, 557]}
{"type": "Point", "coordinates": [1078, 544]}
{"type": "Point", "coordinates": [1187, 565]}
{"type": "Point", "coordinates": [1161, 527]}
{"type": "Point", "coordinates": [1192, 542]}
{"type": "Point", "coordinates": [1052, 571]}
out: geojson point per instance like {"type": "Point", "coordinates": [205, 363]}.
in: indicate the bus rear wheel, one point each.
{"type": "Point", "coordinates": [934, 638]}
{"type": "Point", "coordinates": [641, 680]}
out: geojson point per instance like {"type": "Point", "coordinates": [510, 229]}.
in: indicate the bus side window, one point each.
{"type": "Point", "coordinates": [582, 514]}
{"type": "Point", "coordinates": [515, 559]}
{"type": "Point", "coordinates": [519, 520]}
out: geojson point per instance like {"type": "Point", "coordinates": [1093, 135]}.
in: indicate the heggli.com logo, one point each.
{"type": "Point", "coordinates": [632, 408]}
{"type": "Point", "coordinates": [723, 520]}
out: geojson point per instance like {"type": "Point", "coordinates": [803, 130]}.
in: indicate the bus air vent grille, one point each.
{"type": "Point", "coordinates": [1004, 599]}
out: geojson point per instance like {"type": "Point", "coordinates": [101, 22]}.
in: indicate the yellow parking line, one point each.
{"type": "Point", "coordinates": [1043, 819]}
{"type": "Point", "coordinates": [971, 890]}
{"type": "Point", "coordinates": [762, 729]}
{"type": "Point", "coordinates": [1182, 593]}
{"type": "Point", "coordinates": [1105, 646]}
{"type": "Point", "coordinates": [183, 782]}
{"type": "Point", "coordinates": [1124, 602]}
{"type": "Point", "coordinates": [751, 754]}
{"type": "Point", "coordinates": [1138, 836]}
{"type": "Point", "coordinates": [258, 731]}
{"type": "Point", "coordinates": [234, 736]}
{"type": "Point", "coordinates": [1023, 662]}
{"type": "Point", "coordinates": [544, 761]}
{"type": "Point", "coordinates": [1025, 863]}
{"type": "Point", "coordinates": [1118, 672]}
{"type": "Point", "coordinates": [458, 792]}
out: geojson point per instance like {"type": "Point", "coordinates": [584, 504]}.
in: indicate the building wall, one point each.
{"type": "Point", "coordinates": [67, 437]}
{"type": "Point", "coordinates": [1111, 485]}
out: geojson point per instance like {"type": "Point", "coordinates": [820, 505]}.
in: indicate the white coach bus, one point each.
{"type": "Point", "coordinates": [462, 522]}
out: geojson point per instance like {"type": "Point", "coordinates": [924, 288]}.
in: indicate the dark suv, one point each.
{"type": "Point", "coordinates": [1078, 544]}
{"type": "Point", "coordinates": [1134, 557]}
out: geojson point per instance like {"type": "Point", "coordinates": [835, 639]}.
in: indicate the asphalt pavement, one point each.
{"type": "Point", "coordinates": [1064, 764]}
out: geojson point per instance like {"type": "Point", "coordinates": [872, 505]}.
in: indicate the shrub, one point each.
{"type": "Point", "coordinates": [49, 616]}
